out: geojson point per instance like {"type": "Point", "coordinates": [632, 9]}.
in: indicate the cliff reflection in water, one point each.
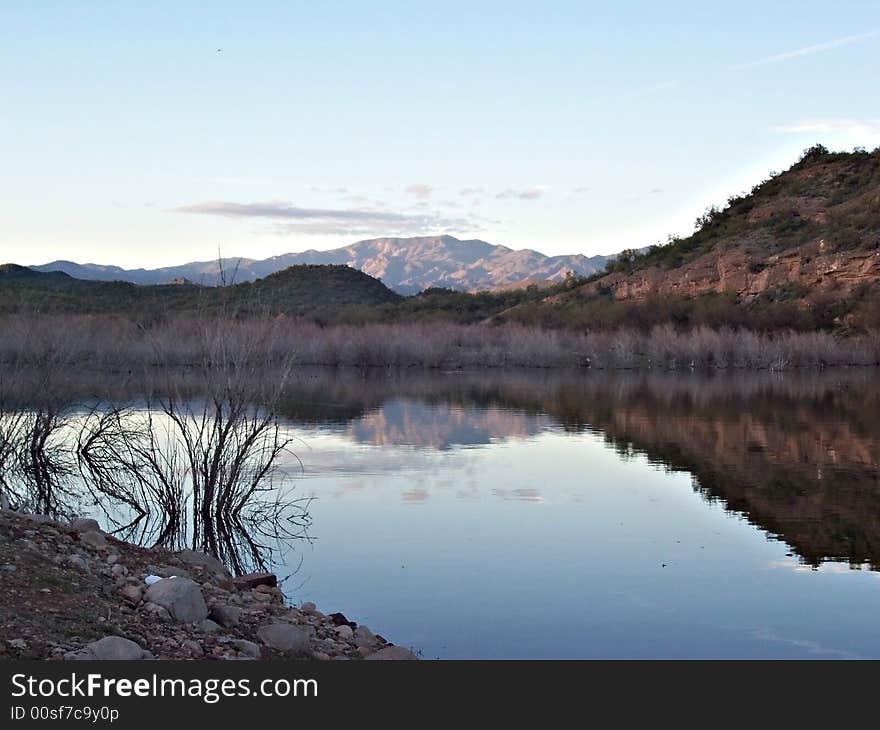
{"type": "Point", "coordinates": [795, 454]}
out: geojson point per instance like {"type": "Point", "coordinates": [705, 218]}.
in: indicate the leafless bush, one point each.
{"type": "Point", "coordinates": [207, 466]}
{"type": "Point", "coordinates": [34, 452]}
{"type": "Point", "coordinates": [35, 465]}
{"type": "Point", "coordinates": [193, 474]}
{"type": "Point", "coordinates": [174, 469]}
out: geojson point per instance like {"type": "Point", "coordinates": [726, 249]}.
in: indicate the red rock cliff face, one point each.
{"type": "Point", "coordinates": [732, 271]}
{"type": "Point", "coordinates": [814, 229]}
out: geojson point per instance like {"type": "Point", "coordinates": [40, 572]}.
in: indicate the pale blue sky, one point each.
{"type": "Point", "coordinates": [567, 127]}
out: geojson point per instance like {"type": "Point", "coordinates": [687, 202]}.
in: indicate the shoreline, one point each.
{"type": "Point", "coordinates": [73, 592]}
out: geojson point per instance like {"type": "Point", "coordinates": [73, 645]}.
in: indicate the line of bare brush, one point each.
{"type": "Point", "coordinates": [120, 343]}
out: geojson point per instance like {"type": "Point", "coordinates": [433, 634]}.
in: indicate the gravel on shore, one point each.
{"type": "Point", "coordinates": [70, 591]}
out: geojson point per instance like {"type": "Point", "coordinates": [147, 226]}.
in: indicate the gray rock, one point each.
{"type": "Point", "coordinates": [116, 648]}
{"type": "Point", "coordinates": [160, 612]}
{"type": "Point", "coordinates": [363, 637]}
{"type": "Point", "coordinates": [204, 561]}
{"type": "Point", "coordinates": [132, 594]}
{"type": "Point", "coordinates": [224, 615]}
{"type": "Point", "coordinates": [81, 655]}
{"type": "Point", "coordinates": [285, 637]}
{"type": "Point", "coordinates": [308, 608]}
{"type": "Point", "coordinates": [252, 580]}
{"type": "Point", "coordinates": [248, 648]}
{"type": "Point", "coordinates": [210, 627]}
{"type": "Point", "coordinates": [391, 653]}
{"type": "Point", "coordinates": [78, 561]}
{"type": "Point", "coordinates": [344, 632]}
{"type": "Point", "coordinates": [20, 644]}
{"type": "Point", "coordinates": [94, 540]}
{"type": "Point", "coordinates": [85, 524]}
{"type": "Point", "coordinates": [193, 648]}
{"type": "Point", "coordinates": [181, 597]}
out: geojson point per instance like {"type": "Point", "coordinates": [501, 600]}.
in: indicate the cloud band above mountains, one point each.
{"type": "Point", "coordinates": [328, 221]}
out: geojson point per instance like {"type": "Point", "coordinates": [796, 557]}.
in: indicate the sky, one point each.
{"type": "Point", "coordinates": [150, 134]}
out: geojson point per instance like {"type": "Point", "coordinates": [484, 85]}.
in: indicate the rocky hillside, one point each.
{"type": "Point", "coordinates": [70, 591]}
{"type": "Point", "coordinates": [801, 250]}
{"type": "Point", "coordinates": [406, 265]}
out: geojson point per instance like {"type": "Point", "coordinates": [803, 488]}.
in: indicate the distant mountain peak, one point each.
{"type": "Point", "coordinates": [406, 265]}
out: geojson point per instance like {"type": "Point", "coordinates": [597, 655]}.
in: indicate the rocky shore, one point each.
{"type": "Point", "coordinates": [71, 591]}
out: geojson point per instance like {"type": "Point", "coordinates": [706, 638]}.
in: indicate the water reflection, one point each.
{"type": "Point", "coordinates": [413, 423]}
{"type": "Point", "coordinates": [170, 470]}
{"type": "Point", "coordinates": [796, 454]}
{"type": "Point", "coordinates": [628, 514]}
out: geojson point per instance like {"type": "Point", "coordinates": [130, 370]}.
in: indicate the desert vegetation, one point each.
{"type": "Point", "coordinates": [776, 310]}
{"type": "Point", "coordinates": [775, 206]}
{"type": "Point", "coordinates": [217, 347]}
{"type": "Point", "coordinates": [165, 466]}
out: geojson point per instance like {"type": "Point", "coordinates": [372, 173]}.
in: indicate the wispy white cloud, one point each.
{"type": "Point", "coordinates": [526, 194]}
{"type": "Point", "coordinates": [810, 50]}
{"type": "Point", "coordinates": [420, 190]}
{"type": "Point", "coordinates": [324, 221]}
{"type": "Point", "coordinates": [865, 132]}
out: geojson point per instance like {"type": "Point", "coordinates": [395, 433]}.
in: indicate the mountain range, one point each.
{"type": "Point", "coordinates": [799, 251]}
{"type": "Point", "coordinates": [405, 265]}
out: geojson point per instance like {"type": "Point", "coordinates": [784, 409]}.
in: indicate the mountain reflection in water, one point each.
{"type": "Point", "coordinates": [544, 513]}
{"type": "Point", "coordinates": [796, 454]}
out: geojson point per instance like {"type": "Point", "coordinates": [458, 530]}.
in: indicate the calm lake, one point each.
{"type": "Point", "coordinates": [533, 515]}
{"type": "Point", "coordinates": [579, 515]}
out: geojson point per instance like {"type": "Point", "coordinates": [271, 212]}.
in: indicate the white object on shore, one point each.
{"type": "Point", "coordinates": [150, 579]}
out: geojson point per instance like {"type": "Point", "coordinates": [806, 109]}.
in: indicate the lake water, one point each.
{"type": "Point", "coordinates": [575, 515]}
{"type": "Point", "coordinates": [539, 515]}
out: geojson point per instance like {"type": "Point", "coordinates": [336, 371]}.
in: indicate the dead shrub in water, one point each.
{"type": "Point", "coordinates": [207, 467]}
